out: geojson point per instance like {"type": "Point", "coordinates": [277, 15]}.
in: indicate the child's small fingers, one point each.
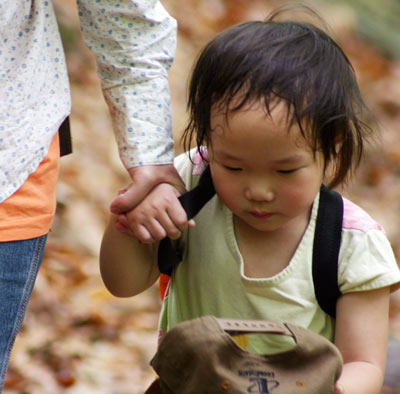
{"type": "Point", "coordinates": [149, 232]}
{"type": "Point", "coordinates": [122, 225]}
{"type": "Point", "coordinates": [122, 220]}
{"type": "Point", "coordinates": [168, 224]}
{"type": "Point", "coordinates": [178, 216]}
{"type": "Point", "coordinates": [121, 228]}
{"type": "Point", "coordinates": [143, 235]}
{"type": "Point", "coordinates": [174, 234]}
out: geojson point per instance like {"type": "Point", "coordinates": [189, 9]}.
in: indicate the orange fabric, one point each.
{"type": "Point", "coordinates": [29, 211]}
{"type": "Point", "coordinates": [163, 284]}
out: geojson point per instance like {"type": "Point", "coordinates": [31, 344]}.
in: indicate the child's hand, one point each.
{"type": "Point", "coordinates": [144, 179]}
{"type": "Point", "coordinates": [159, 215]}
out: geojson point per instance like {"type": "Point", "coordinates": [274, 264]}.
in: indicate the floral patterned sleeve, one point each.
{"type": "Point", "coordinates": [134, 43]}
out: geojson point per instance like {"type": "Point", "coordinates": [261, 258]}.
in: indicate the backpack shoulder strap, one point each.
{"type": "Point", "coordinates": [192, 202]}
{"type": "Point", "coordinates": [327, 239]}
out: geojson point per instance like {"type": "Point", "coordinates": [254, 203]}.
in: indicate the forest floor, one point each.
{"type": "Point", "coordinates": [76, 337]}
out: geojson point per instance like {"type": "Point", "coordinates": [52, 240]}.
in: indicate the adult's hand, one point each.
{"type": "Point", "coordinates": [159, 215]}
{"type": "Point", "coordinates": [144, 179]}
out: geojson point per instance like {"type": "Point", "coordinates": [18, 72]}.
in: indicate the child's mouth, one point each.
{"type": "Point", "coordinates": [261, 214]}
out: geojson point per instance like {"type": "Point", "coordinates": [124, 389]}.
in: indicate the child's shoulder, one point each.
{"type": "Point", "coordinates": [355, 218]}
{"type": "Point", "coordinates": [191, 165]}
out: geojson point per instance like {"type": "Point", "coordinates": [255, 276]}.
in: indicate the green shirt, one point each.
{"type": "Point", "coordinates": [210, 280]}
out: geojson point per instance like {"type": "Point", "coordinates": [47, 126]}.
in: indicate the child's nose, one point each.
{"type": "Point", "coordinates": [259, 193]}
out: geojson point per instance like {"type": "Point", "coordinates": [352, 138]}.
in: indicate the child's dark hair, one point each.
{"type": "Point", "coordinates": [289, 60]}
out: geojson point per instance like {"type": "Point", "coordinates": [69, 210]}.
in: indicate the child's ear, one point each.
{"type": "Point", "coordinates": [338, 143]}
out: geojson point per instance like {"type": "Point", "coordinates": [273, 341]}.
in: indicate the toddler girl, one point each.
{"type": "Point", "coordinates": [275, 110]}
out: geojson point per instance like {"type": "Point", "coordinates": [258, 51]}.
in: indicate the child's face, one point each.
{"type": "Point", "coordinates": [264, 172]}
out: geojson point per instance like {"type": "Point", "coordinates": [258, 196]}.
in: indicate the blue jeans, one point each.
{"type": "Point", "coordinates": [19, 265]}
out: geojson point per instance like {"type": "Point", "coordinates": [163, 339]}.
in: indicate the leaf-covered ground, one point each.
{"type": "Point", "coordinates": [77, 338]}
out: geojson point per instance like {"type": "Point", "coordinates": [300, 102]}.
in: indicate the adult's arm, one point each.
{"type": "Point", "coordinates": [134, 43]}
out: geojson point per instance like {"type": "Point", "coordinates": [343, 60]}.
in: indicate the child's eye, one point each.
{"type": "Point", "coordinates": [287, 171]}
{"type": "Point", "coordinates": [232, 168]}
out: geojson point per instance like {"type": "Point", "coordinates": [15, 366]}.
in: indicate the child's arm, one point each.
{"type": "Point", "coordinates": [361, 336]}
{"type": "Point", "coordinates": [128, 263]}
{"type": "Point", "coordinates": [127, 266]}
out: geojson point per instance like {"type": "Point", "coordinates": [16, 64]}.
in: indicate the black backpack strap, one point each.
{"type": "Point", "coordinates": [327, 239]}
{"type": "Point", "coordinates": [65, 139]}
{"type": "Point", "coordinates": [192, 202]}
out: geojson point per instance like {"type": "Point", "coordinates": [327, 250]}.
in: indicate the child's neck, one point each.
{"type": "Point", "coordinates": [266, 253]}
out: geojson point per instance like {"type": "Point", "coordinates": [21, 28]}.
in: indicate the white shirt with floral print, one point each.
{"type": "Point", "coordinates": [134, 43]}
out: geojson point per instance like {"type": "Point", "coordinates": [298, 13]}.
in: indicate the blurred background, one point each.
{"type": "Point", "coordinates": [77, 338]}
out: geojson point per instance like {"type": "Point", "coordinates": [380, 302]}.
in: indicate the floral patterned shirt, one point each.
{"type": "Point", "coordinates": [134, 43]}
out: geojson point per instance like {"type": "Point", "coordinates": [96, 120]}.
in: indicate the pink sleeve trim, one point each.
{"type": "Point", "coordinates": [355, 218]}
{"type": "Point", "coordinates": [200, 162]}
